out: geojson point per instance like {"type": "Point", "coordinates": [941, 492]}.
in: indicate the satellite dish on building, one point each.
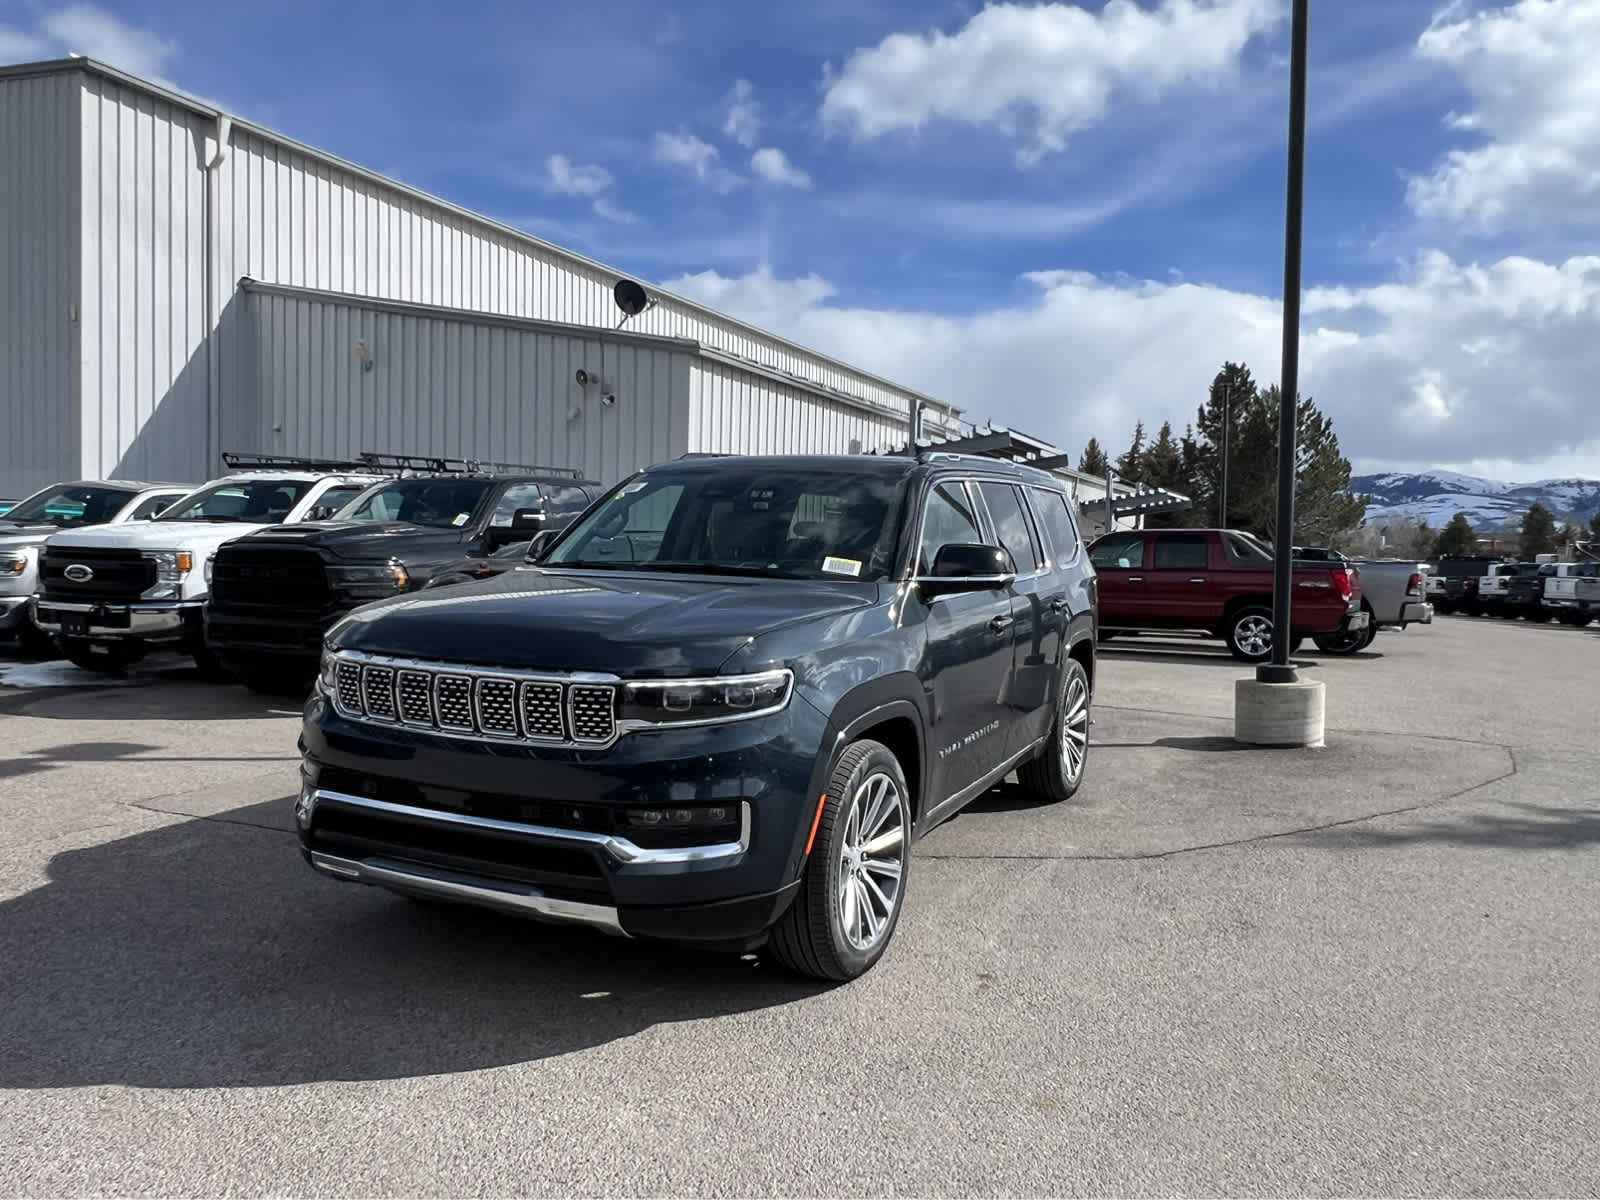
{"type": "Point", "coordinates": [631, 298]}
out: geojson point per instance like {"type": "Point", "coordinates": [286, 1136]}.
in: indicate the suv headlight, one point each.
{"type": "Point", "coordinates": [171, 568]}
{"type": "Point", "coordinates": [666, 702]}
{"type": "Point", "coordinates": [327, 673]}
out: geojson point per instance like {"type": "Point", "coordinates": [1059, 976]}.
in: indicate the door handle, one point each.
{"type": "Point", "coordinates": [1135, 578]}
{"type": "Point", "coordinates": [1197, 580]}
{"type": "Point", "coordinates": [999, 624]}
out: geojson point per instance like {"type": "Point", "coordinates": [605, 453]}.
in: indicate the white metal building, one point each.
{"type": "Point", "coordinates": [175, 282]}
{"type": "Point", "coordinates": [129, 214]}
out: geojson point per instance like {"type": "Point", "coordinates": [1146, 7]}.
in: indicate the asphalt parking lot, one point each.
{"type": "Point", "coordinates": [1366, 969]}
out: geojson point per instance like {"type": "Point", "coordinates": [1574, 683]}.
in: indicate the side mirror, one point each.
{"type": "Point", "coordinates": [540, 543]}
{"type": "Point", "coordinates": [528, 520]}
{"type": "Point", "coordinates": [964, 567]}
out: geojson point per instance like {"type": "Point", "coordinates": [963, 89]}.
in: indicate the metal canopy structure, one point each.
{"type": "Point", "coordinates": [1142, 503]}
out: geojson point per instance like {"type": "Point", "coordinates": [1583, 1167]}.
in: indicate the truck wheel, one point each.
{"type": "Point", "coordinates": [1249, 634]}
{"type": "Point", "coordinates": [855, 878]}
{"type": "Point", "coordinates": [211, 668]}
{"type": "Point", "coordinates": [35, 643]}
{"type": "Point", "coordinates": [1347, 641]}
{"type": "Point", "coordinates": [1057, 772]}
{"type": "Point", "coordinates": [110, 658]}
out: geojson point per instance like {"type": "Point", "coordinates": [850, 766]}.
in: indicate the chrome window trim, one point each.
{"type": "Point", "coordinates": [621, 849]}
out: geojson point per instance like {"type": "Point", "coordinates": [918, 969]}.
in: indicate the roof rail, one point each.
{"type": "Point", "coordinates": [432, 464]}
{"type": "Point", "coordinates": [236, 460]}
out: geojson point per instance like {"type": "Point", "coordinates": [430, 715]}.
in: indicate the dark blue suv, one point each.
{"type": "Point", "coordinates": [719, 707]}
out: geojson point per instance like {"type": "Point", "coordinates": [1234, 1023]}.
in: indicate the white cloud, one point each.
{"type": "Point", "coordinates": [743, 124]}
{"type": "Point", "coordinates": [614, 212]}
{"type": "Point", "coordinates": [683, 149]}
{"type": "Point", "coordinates": [1529, 68]}
{"type": "Point", "coordinates": [567, 178]}
{"type": "Point", "coordinates": [96, 33]}
{"type": "Point", "coordinates": [773, 165]}
{"type": "Point", "coordinates": [1060, 63]}
{"type": "Point", "coordinates": [1436, 368]}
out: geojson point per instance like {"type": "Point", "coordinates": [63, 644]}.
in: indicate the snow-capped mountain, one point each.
{"type": "Point", "coordinates": [1436, 496]}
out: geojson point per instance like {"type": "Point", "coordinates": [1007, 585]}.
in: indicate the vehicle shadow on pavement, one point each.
{"type": "Point", "coordinates": [206, 954]}
{"type": "Point", "coordinates": [1517, 826]}
{"type": "Point", "coordinates": [168, 697]}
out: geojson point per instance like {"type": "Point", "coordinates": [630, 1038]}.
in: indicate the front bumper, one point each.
{"type": "Point", "coordinates": [13, 613]}
{"type": "Point", "coordinates": [151, 621]}
{"type": "Point", "coordinates": [539, 831]}
{"type": "Point", "coordinates": [298, 635]}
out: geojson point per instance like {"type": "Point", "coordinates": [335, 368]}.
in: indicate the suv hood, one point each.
{"type": "Point", "coordinates": [155, 535]}
{"type": "Point", "coordinates": [547, 620]}
{"type": "Point", "coordinates": [364, 541]}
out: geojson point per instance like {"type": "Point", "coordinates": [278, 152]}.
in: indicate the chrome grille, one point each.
{"type": "Point", "coordinates": [497, 706]}
{"type": "Point", "coordinates": [541, 711]}
{"type": "Point", "coordinates": [416, 697]}
{"type": "Point", "coordinates": [455, 702]}
{"type": "Point", "coordinates": [593, 711]}
{"type": "Point", "coordinates": [348, 678]}
{"type": "Point", "coordinates": [464, 701]}
{"type": "Point", "coordinates": [377, 689]}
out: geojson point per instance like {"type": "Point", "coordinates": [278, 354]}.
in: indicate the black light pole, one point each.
{"type": "Point", "coordinates": [1227, 424]}
{"type": "Point", "coordinates": [1280, 670]}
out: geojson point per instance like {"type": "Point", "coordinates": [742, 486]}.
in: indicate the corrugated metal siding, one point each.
{"type": "Point", "coordinates": [447, 386]}
{"type": "Point", "coordinates": [286, 217]}
{"type": "Point", "coordinates": [39, 409]}
{"type": "Point", "coordinates": [736, 412]}
{"type": "Point", "coordinates": [144, 305]}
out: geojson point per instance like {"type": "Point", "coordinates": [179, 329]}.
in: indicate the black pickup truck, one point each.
{"type": "Point", "coordinates": [719, 708]}
{"type": "Point", "coordinates": [274, 592]}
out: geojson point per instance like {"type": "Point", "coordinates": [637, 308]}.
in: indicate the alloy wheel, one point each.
{"type": "Point", "coordinates": [871, 860]}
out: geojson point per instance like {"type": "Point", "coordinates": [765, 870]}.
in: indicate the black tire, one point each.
{"type": "Point", "coordinates": [1249, 633]}
{"type": "Point", "coordinates": [113, 659]}
{"type": "Point", "coordinates": [34, 643]}
{"type": "Point", "coordinates": [211, 668]}
{"type": "Point", "coordinates": [811, 938]}
{"type": "Point", "coordinates": [1057, 772]}
{"type": "Point", "coordinates": [1296, 644]}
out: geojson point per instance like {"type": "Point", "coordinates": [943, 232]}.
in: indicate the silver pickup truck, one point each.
{"type": "Point", "coordinates": [1572, 592]}
{"type": "Point", "coordinates": [1392, 592]}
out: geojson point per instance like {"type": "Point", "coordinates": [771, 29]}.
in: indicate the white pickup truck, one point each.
{"type": "Point", "coordinates": [1572, 592]}
{"type": "Point", "coordinates": [111, 593]}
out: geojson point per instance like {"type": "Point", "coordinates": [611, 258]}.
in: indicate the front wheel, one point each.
{"type": "Point", "coordinates": [1346, 641]}
{"type": "Point", "coordinates": [855, 877]}
{"type": "Point", "coordinates": [1057, 772]}
{"type": "Point", "coordinates": [1249, 634]}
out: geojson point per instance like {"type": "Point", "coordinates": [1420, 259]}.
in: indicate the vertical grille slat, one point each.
{"type": "Point", "coordinates": [488, 704]}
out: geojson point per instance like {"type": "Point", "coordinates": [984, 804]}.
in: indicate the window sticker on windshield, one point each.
{"type": "Point", "coordinates": [631, 488]}
{"type": "Point", "coordinates": [461, 519]}
{"type": "Point", "coordinates": [841, 566]}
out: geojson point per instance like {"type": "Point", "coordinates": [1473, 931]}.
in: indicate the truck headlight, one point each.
{"type": "Point", "coordinates": [665, 702]}
{"type": "Point", "coordinates": [171, 568]}
{"type": "Point", "coordinates": [15, 562]}
{"type": "Point", "coordinates": [372, 579]}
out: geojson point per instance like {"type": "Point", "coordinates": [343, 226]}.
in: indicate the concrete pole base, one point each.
{"type": "Point", "coordinates": [1278, 714]}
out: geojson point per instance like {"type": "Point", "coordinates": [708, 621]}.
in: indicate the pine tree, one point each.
{"type": "Point", "coordinates": [1163, 467]}
{"type": "Point", "coordinates": [1094, 460]}
{"type": "Point", "coordinates": [1457, 537]}
{"type": "Point", "coordinates": [1130, 466]}
{"type": "Point", "coordinates": [1538, 532]}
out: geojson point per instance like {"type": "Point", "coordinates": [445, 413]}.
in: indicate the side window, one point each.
{"type": "Point", "coordinates": [335, 498]}
{"type": "Point", "coordinates": [1120, 551]}
{"type": "Point", "coordinates": [1244, 552]}
{"type": "Point", "coordinates": [565, 502]}
{"type": "Point", "coordinates": [1053, 513]}
{"type": "Point", "coordinates": [151, 505]}
{"type": "Point", "coordinates": [949, 520]}
{"type": "Point", "coordinates": [518, 495]}
{"type": "Point", "coordinates": [1181, 552]}
{"type": "Point", "coordinates": [1011, 525]}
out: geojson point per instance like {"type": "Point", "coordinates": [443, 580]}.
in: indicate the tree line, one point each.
{"type": "Point", "coordinates": [1237, 428]}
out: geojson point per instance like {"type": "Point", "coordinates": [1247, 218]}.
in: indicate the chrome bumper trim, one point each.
{"type": "Point", "coordinates": [154, 617]}
{"type": "Point", "coordinates": [619, 848]}
{"type": "Point", "coordinates": [517, 898]}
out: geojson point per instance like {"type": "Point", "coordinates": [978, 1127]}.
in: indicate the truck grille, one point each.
{"type": "Point", "coordinates": [485, 703]}
{"type": "Point", "coordinates": [115, 576]}
{"type": "Point", "coordinates": [276, 577]}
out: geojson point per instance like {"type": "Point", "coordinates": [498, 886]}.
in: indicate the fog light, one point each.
{"type": "Point", "coordinates": [305, 805]}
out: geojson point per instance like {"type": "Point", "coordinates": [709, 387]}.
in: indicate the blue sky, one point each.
{"type": "Point", "coordinates": [1085, 204]}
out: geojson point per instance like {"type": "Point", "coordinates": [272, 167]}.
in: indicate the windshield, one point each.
{"type": "Point", "coordinates": [439, 503]}
{"type": "Point", "coordinates": [67, 505]}
{"type": "Point", "coordinates": [743, 521]}
{"type": "Point", "coordinates": [260, 501]}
